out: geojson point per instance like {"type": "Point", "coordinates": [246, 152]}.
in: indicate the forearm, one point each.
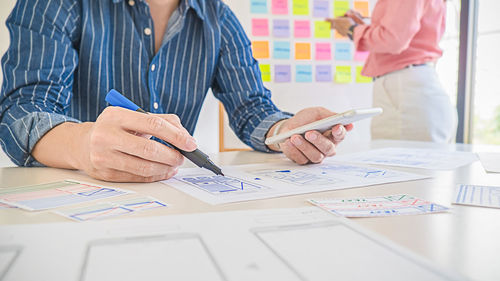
{"type": "Point", "coordinates": [61, 147]}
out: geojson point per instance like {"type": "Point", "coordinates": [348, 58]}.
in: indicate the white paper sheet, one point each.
{"type": "Point", "coordinates": [280, 244]}
{"type": "Point", "coordinates": [490, 161]}
{"type": "Point", "coordinates": [260, 181]}
{"type": "Point", "coordinates": [379, 206]}
{"type": "Point", "coordinates": [411, 157]}
{"type": "Point", "coordinates": [477, 195]}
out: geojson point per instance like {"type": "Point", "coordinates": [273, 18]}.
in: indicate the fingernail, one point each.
{"type": "Point", "coordinates": [312, 136]}
{"type": "Point", "coordinates": [296, 141]}
{"type": "Point", "coordinates": [338, 131]}
{"type": "Point", "coordinates": [191, 143]}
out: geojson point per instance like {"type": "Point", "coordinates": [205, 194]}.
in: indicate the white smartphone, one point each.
{"type": "Point", "coordinates": [323, 125]}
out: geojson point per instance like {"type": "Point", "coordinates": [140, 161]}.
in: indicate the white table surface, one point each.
{"type": "Point", "coordinates": [465, 239]}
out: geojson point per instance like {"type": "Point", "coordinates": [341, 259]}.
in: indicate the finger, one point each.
{"type": "Point", "coordinates": [332, 23]}
{"type": "Point", "coordinates": [135, 165]}
{"type": "Point", "coordinates": [338, 134]}
{"type": "Point", "coordinates": [150, 124]}
{"type": "Point", "coordinates": [322, 143]}
{"type": "Point", "coordinates": [293, 153]}
{"type": "Point", "coordinates": [146, 149]}
{"type": "Point", "coordinates": [309, 150]}
{"type": "Point", "coordinates": [172, 119]}
{"type": "Point", "coordinates": [120, 176]}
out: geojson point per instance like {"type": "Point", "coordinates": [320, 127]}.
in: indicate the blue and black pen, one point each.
{"type": "Point", "coordinates": [197, 157]}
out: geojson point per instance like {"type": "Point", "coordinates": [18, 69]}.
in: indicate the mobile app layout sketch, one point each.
{"type": "Point", "coordinates": [337, 248]}
{"type": "Point", "coordinates": [222, 184]}
{"type": "Point", "coordinates": [260, 181]}
{"type": "Point", "coordinates": [8, 256]}
{"type": "Point", "coordinates": [165, 257]}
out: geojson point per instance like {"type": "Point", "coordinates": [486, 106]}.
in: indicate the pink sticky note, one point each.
{"type": "Point", "coordinates": [360, 56]}
{"type": "Point", "coordinates": [279, 7]}
{"type": "Point", "coordinates": [260, 27]}
{"type": "Point", "coordinates": [323, 51]}
{"type": "Point", "coordinates": [302, 29]}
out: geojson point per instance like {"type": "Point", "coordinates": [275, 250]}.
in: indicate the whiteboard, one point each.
{"type": "Point", "coordinates": [293, 96]}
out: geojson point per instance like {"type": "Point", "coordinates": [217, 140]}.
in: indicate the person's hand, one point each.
{"type": "Point", "coordinates": [355, 16]}
{"type": "Point", "coordinates": [314, 146]}
{"type": "Point", "coordinates": [341, 24]}
{"type": "Point", "coordinates": [117, 146]}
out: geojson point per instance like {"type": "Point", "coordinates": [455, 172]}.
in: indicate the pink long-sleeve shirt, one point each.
{"type": "Point", "coordinates": [402, 32]}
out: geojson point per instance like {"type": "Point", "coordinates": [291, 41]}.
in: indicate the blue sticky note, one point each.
{"type": "Point", "coordinates": [303, 73]}
{"type": "Point", "coordinates": [258, 6]}
{"type": "Point", "coordinates": [343, 51]}
{"type": "Point", "coordinates": [323, 73]}
{"type": "Point", "coordinates": [281, 50]}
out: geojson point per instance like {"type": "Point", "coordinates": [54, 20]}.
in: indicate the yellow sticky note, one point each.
{"type": "Point", "coordinates": [363, 7]}
{"type": "Point", "coordinates": [300, 7]}
{"type": "Point", "coordinates": [343, 74]}
{"type": "Point", "coordinates": [340, 8]}
{"type": "Point", "coordinates": [265, 71]}
{"type": "Point", "coordinates": [260, 49]}
{"type": "Point", "coordinates": [361, 78]}
{"type": "Point", "coordinates": [322, 29]}
{"type": "Point", "coordinates": [302, 51]}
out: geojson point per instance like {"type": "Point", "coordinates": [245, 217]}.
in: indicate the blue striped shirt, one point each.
{"type": "Point", "coordinates": [65, 55]}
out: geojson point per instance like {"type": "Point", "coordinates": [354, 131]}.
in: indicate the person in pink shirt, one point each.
{"type": "Point", "coordinates": [403, 42]}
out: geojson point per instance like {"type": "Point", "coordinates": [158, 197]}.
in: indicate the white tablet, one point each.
{"type": "Point", "coordinates": [323, 125]}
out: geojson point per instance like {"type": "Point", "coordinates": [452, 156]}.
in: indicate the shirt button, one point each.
{"type": "Point", "coordinates": [131, 2]}
{"type": "Point", "coordinates": [153, 67]}
{"type": "Point", "coordinates": [155, 105]}
{"type": "Point", "coordinates": [147, 31]}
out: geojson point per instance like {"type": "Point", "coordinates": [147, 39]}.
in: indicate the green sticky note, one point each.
{"type": "Point", "coordinates": [300, 7]}
{"type": "Point", "coordinates": [265, 70]}
{"type": "Point", "coordinates": [360, 78]}
{"type": "Point", "coordinates": [343, 74]}
{"type": "Point", "coordinates": [340, 8]}
{"type": "Point", "coordinates": [322, 29]}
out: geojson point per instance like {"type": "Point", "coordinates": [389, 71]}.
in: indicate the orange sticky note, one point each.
{"type": "Point", "coordinates": [363, 7]}
{"type": "Point", "coordinates": [260, 49]}
{"type": "Point", "coordinates": [302, 51]}
{"type": "Point", "coordinates": [338, 36]}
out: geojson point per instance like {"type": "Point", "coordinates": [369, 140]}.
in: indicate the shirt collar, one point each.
{"type": "Point", "coordinates": [197, 5]}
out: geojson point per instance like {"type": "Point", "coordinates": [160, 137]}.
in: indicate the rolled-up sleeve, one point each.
{"type": "Point", "coordinates": [38, 70]}
{"type": "Point", "coordinates": [238, 85]}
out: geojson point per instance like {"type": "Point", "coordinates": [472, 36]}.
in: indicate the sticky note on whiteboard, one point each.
{"type": "Point", "coordinates": [343, 74]}
{"type": "Point", "coordinates": [282, 73]}
{"type": "Point", "coordinates": [340, 8]}
{"type": "Point", "coordinates": [360, 78]}
{"type": "Point", "coordinates": [321, 8]}
{"type": "Point", "coordinates": [323, 51]}
{"type": "Point", "coordinates": [300, 7]}
{"type": "Point", "coordinates": [265, 70]}
{"type": "Point", "coordinates": [322, 29]}
{"type": "Point", "coordinates": [363, 7]}
{"type": "Point", "coordinates": [281, 50]}
{"type": "Point", "coordinates": [258, 6]}
{"type": "Point", "coordinates": [302, 29]}
{"type": "Point", "coordinates": [279, 7]}
{"type": "Point", "coordinates": [302, 51]}
{"type": "Point", "coordinates": [343, 51]}
{"type": "Point", "coordinates": [281, 28]}
{"type": "Point", "coordinates": [361, 56]}
{"type": "Point", "coordinates": [323, 73]}
{"type": "Point", "coordinates": [260, 27]}
{"type": "Point", "coordinates": [303, 73]}
{"type": "Point", "coordinates": [260, 49]}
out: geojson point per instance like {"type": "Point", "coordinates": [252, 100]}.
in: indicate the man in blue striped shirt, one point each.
{"type": "Point", "coordinates": [164, 55]}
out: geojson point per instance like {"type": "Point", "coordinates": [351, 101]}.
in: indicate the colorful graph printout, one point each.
{"type": "Point", "coordinates": [477, 195]}
{"type": "Point", "coordinates": [112, 209]}
{"type": "Point", "coordinates": [56, 194]}
{"type": "Point", "coordinates": [392, 205]}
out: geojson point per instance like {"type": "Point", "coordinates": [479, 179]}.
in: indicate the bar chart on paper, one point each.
{"type": "Point", "coordinates": [260, 181]}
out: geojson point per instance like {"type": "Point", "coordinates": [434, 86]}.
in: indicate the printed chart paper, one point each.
{"type": "Point", "coordinates": [477, 195]}
{"type": "Point", "coordinates": [411, 157]}
{"type": "Point", "coordinates": [266, 245]}
{"type": "Point", "coordinates": [260, 181]}
{"type": "Point", "coordinates": [56, 194]}
{"type": "Point", "coordinates": [392, 205]}
{"type": "Point", "coordinates": [105, 210]}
